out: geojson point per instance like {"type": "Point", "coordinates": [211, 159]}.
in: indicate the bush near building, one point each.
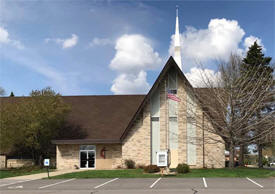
{"type": "Point", "coordinates": [182, 168]}
{"type": "Point", "coordinates": [151, 169]}
{"type": "Point", "coordinates": [130, 164]}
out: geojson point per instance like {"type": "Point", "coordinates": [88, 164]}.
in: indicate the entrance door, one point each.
{"type": "Point", "coordinates": [87, 158]}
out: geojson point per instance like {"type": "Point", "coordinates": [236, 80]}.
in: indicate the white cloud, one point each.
{"type": "Point", "coordinates": [202, 77]}
{"type": "Point", "coordinates": [4, 35]}
{"type": "Point", "coordinates": [100, 42]}
{"type": "Point", "coordinates": [65, 43]}
{"type": "Point", "coordinates": [248, 41]}
{"type": "Point", "coordinates": [218, 41]}
{"type": "Point", "coordinates": [130, 84]}
{"type": "Point", "coordinates": [134, 55]}
{"type": "Point", "coordinates": [4, 39]}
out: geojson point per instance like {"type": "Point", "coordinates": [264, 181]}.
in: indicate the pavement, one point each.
{"type": "Point", "coordinates": [140, 186]}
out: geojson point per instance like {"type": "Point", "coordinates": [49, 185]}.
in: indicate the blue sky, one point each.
{"type": "Point", "coordinates": [118, 47]}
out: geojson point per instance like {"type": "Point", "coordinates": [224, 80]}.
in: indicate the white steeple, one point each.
{"type": "Point", "coordinates": [177, 53]}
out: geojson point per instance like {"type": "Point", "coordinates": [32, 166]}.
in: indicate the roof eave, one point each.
{"type": "Point", "coordinates": [86, 141]}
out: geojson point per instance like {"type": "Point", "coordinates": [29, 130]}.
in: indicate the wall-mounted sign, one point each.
{"type": "Point", "coordinates": [162, 158]}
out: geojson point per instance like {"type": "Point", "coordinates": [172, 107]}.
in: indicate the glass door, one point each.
{"type": "Point", "coordinates": [87, 156]}
{"type": "Point", "coordinates": [83, 159]}
{"type": "Point", "coordinates": [91, 159]}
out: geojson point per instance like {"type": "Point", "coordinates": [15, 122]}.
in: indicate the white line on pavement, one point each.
{"type": "Point", "coordinates": [15, 183]}
{"type": "Point", "coordinates": [56, 183]}
{"type": "Point", "coordinates": [204, 182]}
{"type": "Point", "coordinates": [254, 182]}
{"type": "Point", "coordinates": [105, 183]}
{"type": "Point", "coordinates": [155, 183]}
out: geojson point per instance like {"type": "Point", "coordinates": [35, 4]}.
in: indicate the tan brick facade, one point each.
{"type": "Point", "coordinates": [137, 143]}
{"type": "Point", "coordinates": [67, 156]}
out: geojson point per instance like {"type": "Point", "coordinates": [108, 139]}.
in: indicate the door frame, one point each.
{"type": "Point", "coordinates": [87, 155]}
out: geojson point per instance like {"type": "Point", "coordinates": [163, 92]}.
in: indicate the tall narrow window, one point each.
{"type": "Point", "coordinates": [173, 110]}
{"type": "Point", "coordinates": [191, 130]}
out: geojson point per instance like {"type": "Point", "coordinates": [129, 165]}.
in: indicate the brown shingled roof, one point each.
{"type": "Point", "coordinates": [102, 118]}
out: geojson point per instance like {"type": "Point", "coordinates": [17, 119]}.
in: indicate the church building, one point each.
{"type": "Point", "coordinates": [137, 127]}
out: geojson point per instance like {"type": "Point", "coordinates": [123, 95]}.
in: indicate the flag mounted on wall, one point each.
{"type": "Point", "coordinates": [173, 97]}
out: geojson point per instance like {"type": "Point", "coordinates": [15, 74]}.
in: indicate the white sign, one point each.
{"type": "Point", "coordinates": [162, 158]}
{"type": "Point", "coordinates": [46, 162]}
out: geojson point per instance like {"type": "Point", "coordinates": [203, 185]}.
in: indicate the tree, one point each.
{"type": "Point", "coordinates": [31, 123]}
{"type": "Point", "coordinates": [2, 91]}
{"type": "Point", "coordinates": [255, 60]}
{"type": "Point", "coordinates": [12, 94]}
{"type": "Point", "coordinates": [230, 103]}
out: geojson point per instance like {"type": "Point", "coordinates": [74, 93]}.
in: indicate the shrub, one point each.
{"type": "Point", "coordinates": [130, 164]}
{"type": "Point", "coordinates": [151, 169]}
{"type": "Point", "coordinates": [265, 161]}
{"type": "Point", "coordinates": [141, 166]}
{"type": "Point", "coordinates": [182, 168]}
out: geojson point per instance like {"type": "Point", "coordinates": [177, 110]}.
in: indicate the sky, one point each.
{"type": "Point", "coordinates": [119, 47]}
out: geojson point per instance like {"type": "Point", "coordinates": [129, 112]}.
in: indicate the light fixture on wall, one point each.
{"type": "Point", "coordinates": [103, 152]}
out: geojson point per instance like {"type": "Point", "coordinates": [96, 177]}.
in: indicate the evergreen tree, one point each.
{"type": "Point", "coordinates": [255, 58]}
{"type": "Point", "coordinates": [256, 62]}
{"type": "Point", "coordinates": [12, 94]}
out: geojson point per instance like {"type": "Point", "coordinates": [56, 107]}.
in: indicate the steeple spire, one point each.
{"type": "Point", "coordinates": [177, 53]}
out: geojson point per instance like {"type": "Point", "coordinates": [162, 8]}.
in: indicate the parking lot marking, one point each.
{"type": "Point", "coordinates": [56, 183]}
{"type": "Point", "coordinates": [155, 183]}
{"type": "Point", "coordinates": [254, 182]}
{"type": "Point", "coordinates": [105, 183]}
{"type": "Point", "coordinates": [15, 183]}
{"type": "Point", "coordinates": [204, 182]}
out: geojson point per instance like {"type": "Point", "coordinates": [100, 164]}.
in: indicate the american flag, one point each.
{"type": "Point", "coordinates": [173, 97]}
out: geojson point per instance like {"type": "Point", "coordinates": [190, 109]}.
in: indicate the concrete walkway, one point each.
{"type": "Point", "coordinates": [41, 175]}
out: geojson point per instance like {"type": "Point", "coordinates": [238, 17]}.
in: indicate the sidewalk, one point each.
{"type": "Point", "coordinates": [41, 175]}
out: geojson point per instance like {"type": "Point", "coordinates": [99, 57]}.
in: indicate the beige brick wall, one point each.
{"type": "Point", "coordinates": [17, 163]}
{"type": "Point", "coordinates": [137, 143]}
{"type": "Point", "coordinates": [67, 156]}
{"type": "Point", "coordinates": [137, 147]}
{"type": "Point", "coordinates": [182, 122]}
{"type": "Point", "coordinates": [214, 150]}
{"type": "Point", "coordinates": [3, 161]}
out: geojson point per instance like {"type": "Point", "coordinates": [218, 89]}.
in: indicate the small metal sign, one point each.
{"type": "Point", "coordinates": [46, 162]}
{"type": "Point", "coordinates": [162, 158]}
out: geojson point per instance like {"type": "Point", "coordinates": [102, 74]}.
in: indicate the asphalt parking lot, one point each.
{"type": "Point", "coordinates": [141, 185]}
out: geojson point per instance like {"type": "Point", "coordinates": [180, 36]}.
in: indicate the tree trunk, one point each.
{"type": "Point", "coordinates": [241, 157]}
{"type": "Point", "coordinates": [40, 160]}
{"type": "Point", "coordinates": [231, 155]}
{"type": "Point", "coordinates": [260, 155]}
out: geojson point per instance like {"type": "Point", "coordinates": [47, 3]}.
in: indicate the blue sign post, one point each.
{"type": "Point", "coordinates": [47, 163]}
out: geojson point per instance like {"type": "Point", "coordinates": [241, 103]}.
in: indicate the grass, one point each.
{"type": "Point", "coordinates": [22, 171]}
{"type": "Point", "coordinates": [138, 173]}
{"type": "Point", "coordinates": [226, 172]}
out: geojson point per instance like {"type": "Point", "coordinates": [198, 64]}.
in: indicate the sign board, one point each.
{"type": "Point", "coordinates": [46, 162]}
{"type": "Point", "coordinates": [162, 158]}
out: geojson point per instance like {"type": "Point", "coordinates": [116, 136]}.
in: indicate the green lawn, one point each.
{"type": "Point", "coordinates": [22, 171]}
{"type": "Point", "coordinates": [138, 173]}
